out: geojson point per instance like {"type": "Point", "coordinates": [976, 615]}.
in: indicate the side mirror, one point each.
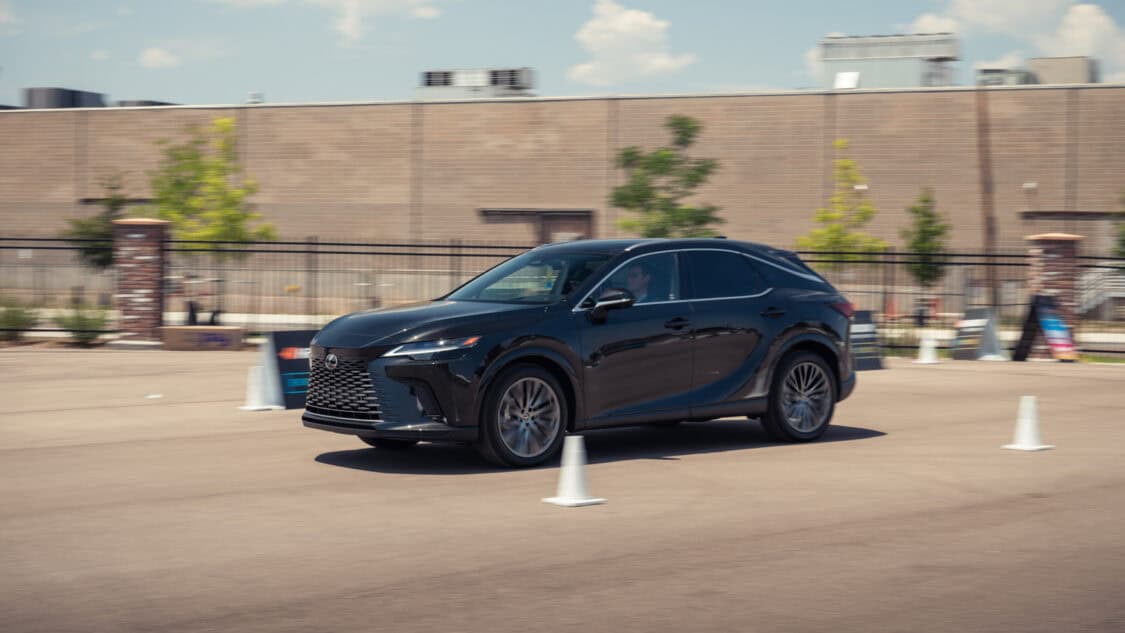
{"type": "Point", "coordinates": [611, 299]}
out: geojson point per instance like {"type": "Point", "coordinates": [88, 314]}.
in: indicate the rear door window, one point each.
{"type": "Point", "coordinates": [718, 274]}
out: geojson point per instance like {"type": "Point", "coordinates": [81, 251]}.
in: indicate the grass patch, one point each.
{"type": "Point", "coordinates": [15, 319]}
{"type": "Point", "coordinates": [1101, 358]}
{"type": "Point", "coordinates": [84, 324]}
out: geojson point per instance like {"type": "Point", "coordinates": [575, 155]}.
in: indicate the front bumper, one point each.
{"type": "Point", "coordinates": [371, 395]}
{"type": "Point", "coordinates": [423, 431]}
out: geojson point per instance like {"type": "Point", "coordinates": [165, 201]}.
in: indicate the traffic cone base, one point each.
{"type": "Point", "coordinates": [256, 392]}
{"type": "Point", "coordinates": [927, 352]}
{"type": "Point", "coordinates": [572, 492]}
{"type": "Point", "coordinates": [1027, 428]}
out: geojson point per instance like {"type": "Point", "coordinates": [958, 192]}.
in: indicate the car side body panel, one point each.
{"type": "Point", "coordinates": [666, 360]}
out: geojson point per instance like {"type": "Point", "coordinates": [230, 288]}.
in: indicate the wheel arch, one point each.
{"type": "Point", "coordinates": [550, 361]}
{"type": "Point", "coordinates": [816, 343]}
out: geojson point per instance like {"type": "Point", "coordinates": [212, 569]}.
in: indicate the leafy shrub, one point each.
{"type": "Point", "coordinates": [15, 320]}
{"type": "Point", "coordinates": [84, 324]}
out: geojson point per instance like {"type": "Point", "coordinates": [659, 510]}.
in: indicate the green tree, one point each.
{"type": "Point", "coordinates": [660, 182]}
{"type": "Point", "coordinates": [200, 188]}
{"type": "Point", "coordinates": [925, 239]}
{"type": "Point", "coordinates": [847, 212]}
{"type": "Point", "coordinates": [98, 254]}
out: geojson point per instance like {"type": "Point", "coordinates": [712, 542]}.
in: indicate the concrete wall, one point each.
{"type": "Point", "coordinates": [421, 170]}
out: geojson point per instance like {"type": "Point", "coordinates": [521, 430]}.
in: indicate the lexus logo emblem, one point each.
{"type": "Point", "coordinates": [331, 361]}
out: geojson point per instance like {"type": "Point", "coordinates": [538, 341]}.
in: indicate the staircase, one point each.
{"type": "Point", "coordinates": [1099, 285]}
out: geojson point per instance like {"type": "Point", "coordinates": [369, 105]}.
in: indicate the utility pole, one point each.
{"type": "Point", "coordinates": [987, 197]}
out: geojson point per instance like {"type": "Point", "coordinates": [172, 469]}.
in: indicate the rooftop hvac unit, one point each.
{"type": "Point", "coordinates": [516, 78]}
{"type": "Point", "coordinates": [508, 78]}
{"type": "Point", "coordinates": [437, 78]}
{"type": "Point", "coordinates": [61, 98]}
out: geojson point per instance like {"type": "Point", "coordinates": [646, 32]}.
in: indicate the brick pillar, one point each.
{"type": "Point", "coordinates": [138, 257]}
{"type": "Point", "coordinates": [1055, 271]}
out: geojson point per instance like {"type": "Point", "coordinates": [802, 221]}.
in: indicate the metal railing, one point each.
{"type": "Point", "coordinates": [319, 279]}
{"type": "Point", "coordinates": [303, 283]}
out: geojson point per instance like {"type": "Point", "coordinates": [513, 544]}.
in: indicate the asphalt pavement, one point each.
{"type": "Point", "coordinates": [135, 496]}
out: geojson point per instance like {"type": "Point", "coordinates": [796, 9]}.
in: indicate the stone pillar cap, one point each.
{"type": "Point", "coordinates": [141, 221]}
{"type": "Point", "coordinates": [1055, 237]}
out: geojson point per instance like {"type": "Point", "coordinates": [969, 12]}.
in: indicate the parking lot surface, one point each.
{"type": "Point", "coordinates": [134, 495]}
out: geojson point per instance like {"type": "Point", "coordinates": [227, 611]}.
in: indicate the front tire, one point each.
{"type": "Point", "coordinates": [802, 398]}
{"type": "Point", "coordinates": [524, 418]}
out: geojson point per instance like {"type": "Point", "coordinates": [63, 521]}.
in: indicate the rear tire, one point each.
{"type": "Point", "coordinates": [387, 444]}
{"type": "Point", "coordinates": [524, 418]}
{"type": "Point", "coordinates": [802, 399]}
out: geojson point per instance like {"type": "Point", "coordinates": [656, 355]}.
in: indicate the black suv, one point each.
{"type": "Point", "coordinates": [591, 334]}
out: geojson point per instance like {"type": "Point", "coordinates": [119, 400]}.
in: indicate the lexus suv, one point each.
{"type": "Point", "coordinates": [586, 335]}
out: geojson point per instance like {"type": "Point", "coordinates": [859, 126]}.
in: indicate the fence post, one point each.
{"type": "Point", "coordinates": [454, 263]}
{"type": "Point", "coordinates": [1055, 271]}
{"type": "Point", "coordinates": [139, 259]}
{"type": "Point", "coordinates": [221, 282]}
{"type": "Point", "coordinates": [312, 273]}
{"type": "Point", "coordinates": [889, 260]}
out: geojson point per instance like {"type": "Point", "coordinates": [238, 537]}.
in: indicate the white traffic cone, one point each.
{"type": "Point", "coordinates": [927, 351]}
{"type": "Point", "coordinates": [1027, 428]}
{"type": "Point", "coordinates": [572, 490]}
{"type": "Point", "coordinates": [256, 392]}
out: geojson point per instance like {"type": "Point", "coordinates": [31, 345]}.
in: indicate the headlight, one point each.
{"type": "Point", "coordinates": [425, 348]}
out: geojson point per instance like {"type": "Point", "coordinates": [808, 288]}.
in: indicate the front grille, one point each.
{"type": "Point", "coordinates": [344, 392]}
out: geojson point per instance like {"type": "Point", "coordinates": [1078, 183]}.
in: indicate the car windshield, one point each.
{"type": "Point", "coordinates": [534, 277]}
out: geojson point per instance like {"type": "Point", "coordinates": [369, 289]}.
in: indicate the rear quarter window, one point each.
{"type": "Point", "coordinates": [786, 271]}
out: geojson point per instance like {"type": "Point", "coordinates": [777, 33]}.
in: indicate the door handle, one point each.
{"type": "Point", "coordinates": [772, 313]}
{"type": "Point", "coordinates": [677, 323]}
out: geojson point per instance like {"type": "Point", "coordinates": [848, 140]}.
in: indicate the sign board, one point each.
{"type": "Point", "coordinates": [1044, 320]}
{"type": "Point", "coordinates": [970, 331]}
{"type": "Point", "coordinates": [1057, 334]}
{"type": "Point", "coordinates": [865, 342]}
{"type": "Point", "coordinates": [978, 337]}
{"type": "Point", "coordinates": [286, 364]}
{"type": "Point", "coordinates": [201, 337]}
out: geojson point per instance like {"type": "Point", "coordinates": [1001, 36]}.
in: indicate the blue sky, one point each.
{"type": "Point", "coordinates": [218, 51]}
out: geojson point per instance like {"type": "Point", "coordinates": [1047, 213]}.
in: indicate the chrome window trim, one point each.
{"type": "Point", "coordinates": [578, 307]}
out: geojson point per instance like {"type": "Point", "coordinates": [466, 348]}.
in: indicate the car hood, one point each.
{"type": "Point", "coordinates": [423, 321]}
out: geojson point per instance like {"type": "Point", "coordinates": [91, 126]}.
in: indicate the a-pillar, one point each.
{"type": "Point", "coordinates": [1055, 271]}
{"type": "Point", "coordinates": [138, 257]}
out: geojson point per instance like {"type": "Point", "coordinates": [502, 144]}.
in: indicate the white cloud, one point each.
{"type": "Point", "coordinates": [1013, 59]}
{"type": "Point", "coordinates": [124, 11]}
{"type": "Point", "coordinates": [248, 3]}
{"type": "Point", "coordinates": [1014, 17]}
{"type": "Point", "coordinates": [7, 16]}
{"type": "Point", "coordinates": [934, 23]}
{"type": "Point", "coordinates": [156, 57]}
{"type": "Point", "coordinates": [353, 17]}
{"type": "Point", "coordinates": [1053, 27]}
{"type": "Point", "coordinates": [624, 43]}
{"type": "Point", "coordinates": [426, 13]}
{"type": "Point", "coordinates": [99, 55]}
{"type": "Point", "coordinates": [1086, 29]}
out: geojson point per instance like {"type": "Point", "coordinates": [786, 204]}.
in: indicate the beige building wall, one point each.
{"type": "Point", "coordinates": [422, 171]}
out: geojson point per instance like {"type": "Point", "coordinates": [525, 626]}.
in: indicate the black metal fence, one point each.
{"type": "Point", "coordinates": [268, 284]}
{"type": "Point", "coordinates": [284, 284]}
